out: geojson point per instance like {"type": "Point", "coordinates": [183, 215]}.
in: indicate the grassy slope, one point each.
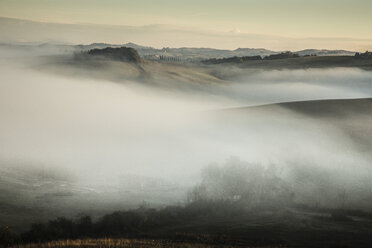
{"type": "Point", "coordinates": [352, 116]}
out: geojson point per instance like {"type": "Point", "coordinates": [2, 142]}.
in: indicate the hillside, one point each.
{"type": "Point", "coordinates": [300, 62]}
{"type": "Point", "coordinates": [330, 109]}
{"type": "Point", "coordinates": [193, 54]}
{"type": "Point", "coordinates": [125, 54]}
{"type": "Point", "coordinates": [182, 54]}
{"type": "Point", "coordinates": [353, 117]}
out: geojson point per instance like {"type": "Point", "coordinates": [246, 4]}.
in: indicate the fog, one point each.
{"type": "Point", "coordinates": [99, 130]}
{"type": "Point", "coordinates": [262, 86]}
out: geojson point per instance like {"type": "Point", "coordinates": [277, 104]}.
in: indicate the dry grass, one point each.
{"type": "Point", "coordinates": [117, 243]}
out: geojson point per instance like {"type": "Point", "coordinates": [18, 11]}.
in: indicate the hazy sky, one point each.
{"type": "Point", "coordinates": [288, 18]}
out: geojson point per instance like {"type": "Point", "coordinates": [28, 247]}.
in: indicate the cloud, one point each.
{"type": "Point", "coordinates": [235, 31]}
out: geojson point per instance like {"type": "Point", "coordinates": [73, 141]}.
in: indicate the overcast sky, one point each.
{"type": "Point", "coordinates": [299, 19]}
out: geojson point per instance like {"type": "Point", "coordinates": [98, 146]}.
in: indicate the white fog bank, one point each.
{"type": "Point", "coordinates": [101, 129]}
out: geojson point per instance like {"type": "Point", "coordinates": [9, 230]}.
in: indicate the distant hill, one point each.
{"type": "Point", "coordinates": [324, 52]}
{"type": "Point", "coordinates": [294, 61]}
{"type": "Point", "coordinates": [195, 54]}
{"type": "Point", "coordinates": [125, 54]}
{"type": "Point", "coordinates": [190, 54]}
{"type": "Point", "coordinates": [183, 54]}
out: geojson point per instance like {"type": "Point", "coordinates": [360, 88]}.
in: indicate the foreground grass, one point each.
{"type": "Point", "coordinates": [118, 243]}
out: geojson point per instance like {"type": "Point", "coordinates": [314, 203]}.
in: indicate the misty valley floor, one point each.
{"type": "Point", "coordinates": [35, 196]}
{"type": "Point", "coordinates": [123, 143]}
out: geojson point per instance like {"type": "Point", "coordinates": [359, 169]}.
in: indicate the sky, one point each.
{"type": "Point", "coordinates": [296, 19]}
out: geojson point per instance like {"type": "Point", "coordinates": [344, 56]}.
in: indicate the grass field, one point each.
{"type": "Point", "coordinates": [120, 243]}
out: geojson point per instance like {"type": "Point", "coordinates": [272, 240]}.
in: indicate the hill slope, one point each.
{"type": "Point", "coordinates": [352, 116]}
